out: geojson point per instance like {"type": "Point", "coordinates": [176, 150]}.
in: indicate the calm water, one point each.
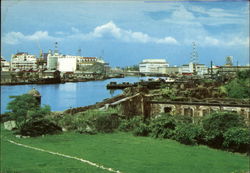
{"type": "Point", "coordinates": [63, 96]}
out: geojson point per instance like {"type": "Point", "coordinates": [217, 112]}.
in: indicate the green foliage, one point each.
{"type": "Point", "coordinates": [189, 134]}
{"type": "Point", "coordinates": [107, 123]}
{"type": "Point", "coordinates": [38, 127]}
{"type": "Point", "coordinates": [141, 130]}
{"type": "Point", "coordinates": [239, 87]}
{"type": "Point", "coordinates": [39, 113]}
{"type": "Point", "coordinates": [91, 121]}
{"type": "Point", "coordinates": [169, 92]}
{"type": "Point", "coordinates": [20, 107]}
{"type": "Point", "coordinates": [244, 74]}
{"type": "Point", "coordinates": [130, 124]}
{"type": "Point", "coordinates": [217, 124]}
{"type": "Point", "coordinates": [163, 126]}
{"type": "Point", "coordinates": [237, 139]}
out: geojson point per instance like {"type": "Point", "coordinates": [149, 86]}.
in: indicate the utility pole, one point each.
{"type": "Point", "coordinates": [211, 69]}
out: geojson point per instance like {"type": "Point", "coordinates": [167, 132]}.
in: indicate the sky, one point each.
{"type": "Point", "coordinates": [126, 32]}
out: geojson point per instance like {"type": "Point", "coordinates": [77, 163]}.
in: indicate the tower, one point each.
{"type": "Point", "coordinates": [56, 48]}
{"type": "Point", "coordinates": [229, 61]}
{"type": "Point", "coordinates": [194, 57]}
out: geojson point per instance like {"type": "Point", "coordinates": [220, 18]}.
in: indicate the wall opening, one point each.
{"type": "Point", "coordinates": [188, 112]}
{"type": "Point", "coordinates": [167, 109]}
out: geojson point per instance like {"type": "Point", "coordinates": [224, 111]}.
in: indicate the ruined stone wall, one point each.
{"type": "Point", "coordinates": [196, 110]}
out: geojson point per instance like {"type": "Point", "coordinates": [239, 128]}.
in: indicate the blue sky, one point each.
{"type": "Point", "coordinates": [125, 32]}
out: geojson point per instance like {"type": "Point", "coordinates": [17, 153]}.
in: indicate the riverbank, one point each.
{"type": "Point", "coordinates": [53, 81]}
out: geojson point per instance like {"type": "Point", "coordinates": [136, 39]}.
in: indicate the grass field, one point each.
{"type": "Point", "coordinates": [120, 151]}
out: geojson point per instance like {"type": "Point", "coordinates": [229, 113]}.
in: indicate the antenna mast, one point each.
{"type": "Point", "coordinates": [194, 57]}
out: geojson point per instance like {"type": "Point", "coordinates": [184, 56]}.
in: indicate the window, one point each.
{"type": "Point", "coordinates": [167, 109]}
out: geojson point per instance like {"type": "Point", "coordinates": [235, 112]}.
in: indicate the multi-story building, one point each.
{"type": "Point", "coordinates": [52, 60]}
{"type": "Point", "coordinates": [153, 65]}
{"type": "Point", "coordinates": [5, 65]}
{"type": "Point", "coordinates": [23, 61]}
{"type": "Point", "coordinates": [191, 68]}
{"type": "Point", "coordinates": [85, 61]}
{"type": "Point", "coordinates": [67, 63]}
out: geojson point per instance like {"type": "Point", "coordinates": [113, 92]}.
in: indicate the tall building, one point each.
{"type": "Point", "coordinates": [153, 65]}
{"type": "Point", "coordinates": [23, 61]}
{"type": "Point", "coordinates": [67, 63]}
{"type": "Point", "coordinates": [52, 59]}
{"type": "Point", "coordinates": [5, 65]}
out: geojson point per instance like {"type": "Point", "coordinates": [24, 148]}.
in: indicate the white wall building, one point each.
{"type": "Point", "coordinates": [85, 61]}
{"type": "Point", "coordinates": [5, 65]}
{"type": "Point", "coordinates": [52, 60]}
{"type": "Point", "coordinates": [23, 61]}
{"type": "Point", "coordinates": [188, 69]}
{"type": "Point", "coordinates": [153, 65]}
{"type": "Point", "coordinates": [67, 63]}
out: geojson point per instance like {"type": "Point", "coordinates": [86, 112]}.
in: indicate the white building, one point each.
{"type": "Point", "coordinates": [5, 65]}
{"type": "Point", "coordinates": [153, 65]}
{"type": "Point", "coordinates": [67, 63]}
{"type": "Point", "coordinates": [23, 61]}
{"type": "Point", "coordinates": [85, 61]}
{"type": "Point", "coordinates": [189, 69]}
{"type": "Point", "coordinates": [52, 60]}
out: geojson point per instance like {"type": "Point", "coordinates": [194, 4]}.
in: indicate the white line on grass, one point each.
{"type": "Point", "coordinates": [67, 156]}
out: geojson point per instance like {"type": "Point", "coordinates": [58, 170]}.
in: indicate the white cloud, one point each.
{"type": "Point", "coordinates": [73, 29]}
{"type": "Point", "coordinates": [110, 30]}
{"type": "Point", "coordinates": [222, 42]}
{"type": "Point", "coordinates": [17, 37]}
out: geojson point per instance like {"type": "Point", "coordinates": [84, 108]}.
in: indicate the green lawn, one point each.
{"type": "Point", "coordinates": [120, 151]}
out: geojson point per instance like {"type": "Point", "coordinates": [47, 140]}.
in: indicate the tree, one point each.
{"type": "Point", "coordinates": [216, 124]}
{"type": "Point", "coordinates": [239, 87]}
{"type": "Point", "coordinates": [25, 107]}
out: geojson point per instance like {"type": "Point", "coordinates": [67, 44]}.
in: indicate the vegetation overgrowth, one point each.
{"type": "Point", "coordinates": [239, 86]}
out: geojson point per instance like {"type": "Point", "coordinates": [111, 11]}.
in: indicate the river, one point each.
{"type": "Point", "coordinates": [63, 96]}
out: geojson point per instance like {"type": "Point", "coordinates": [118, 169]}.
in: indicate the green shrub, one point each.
{"type": "Point", "coordinates": [141, 130]}
{"type": "Point", "coordinates": [39, 127]}
{"type": "Point", "coordinates": [107, 123]}
{"type": "Point", "coordinates": [237, 139]}
{"type": "Point", "coordinates": [39, 113]}
{"type": "Point", "coordinates": [189, 134]}
{"type": "Point", "coordinates": [217, 124]}
{"type": "Point", "coordinates": [163, 126]}
{"type": "Point", "coordinates": [127, 125]}
{"type": "Point", "coordinates": [182, 119]}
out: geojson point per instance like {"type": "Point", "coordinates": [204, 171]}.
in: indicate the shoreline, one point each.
{"type": "Point", "coordinates": [53, 82]}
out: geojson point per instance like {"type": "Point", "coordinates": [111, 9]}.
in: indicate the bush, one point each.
{"type": "Point", "coordinates": [127, 125]}
{"type": "Point", "coordinates": [217, 124]}
{"type": "Point", "coordinates": [181, 119]}
{"type": "Point", "coordinates": [141, 130]}
{"type": "Point", "coordinates": [107, 123]}
{"type": "Point", "coordinates": [237, 139]}
{"type": "Point", "coordinates": [163, 126]}
{"type": "Point", "coordinates": [189, 134]}
{"type": "Point", "coordinates": [35, 128]}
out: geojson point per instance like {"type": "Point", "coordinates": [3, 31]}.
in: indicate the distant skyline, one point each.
{"type": "Point", "coordinates": [126, 32]}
